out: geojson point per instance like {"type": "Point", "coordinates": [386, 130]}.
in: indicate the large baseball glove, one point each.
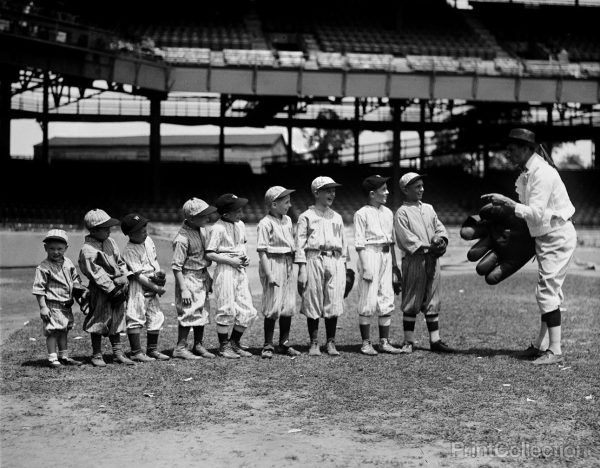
{"type": "Point", "coordinates": [504, 244]}
{"type": "Point", "coordinates": [81, 294]}
{"type": "Point", "coordinates": [118, 295]}
{"type": "Point", "coordinates": [438, 246]}
{"type": "Point", "coordinates": [396, 280]}
{"type": "Point", "coordinates": [350, 275]}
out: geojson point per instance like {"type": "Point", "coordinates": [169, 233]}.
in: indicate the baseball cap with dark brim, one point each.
{"type": "Point", "coordinates": [333, 185]}
{"type": "Point", "coordinates": [208, 211]}
{"type": "Point", "coordinates": [284, 193]}
{"type": "Point", "coordinates": [132, 222]}
{"type": "Point", "coordinates": [229, 202]}
{"type": "Point", "coordinates": [109, 223]}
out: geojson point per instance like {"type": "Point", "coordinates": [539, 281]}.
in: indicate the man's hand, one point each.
{"type": "Point", "coordinates": [498, 199]}
{"type": "Point", "coordinates": [186, 297]}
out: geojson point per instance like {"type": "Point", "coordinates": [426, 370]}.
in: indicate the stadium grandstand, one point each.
{"type": "Point", "coordinates": [446, 80]}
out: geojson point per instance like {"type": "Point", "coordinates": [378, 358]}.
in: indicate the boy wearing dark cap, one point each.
{"type": "Point", "coordinates": [275, 247]}
{"type": "Point", "coordinates": [101, 262]}
{"type": "Point", "coordinates": [142, 309]}
{"type": "Point", "coordinates": [374, 243]}
{"type": "Point", "coordinates": [226, 246]}
{"type": "Point", "coordinates": [415, 225]}
{"type": "Point", "coordinates": [55, 287]}
{"type": "Point", "coordinates": [322, 253]}
{"type": "Point", "coordinates": [192, 280]}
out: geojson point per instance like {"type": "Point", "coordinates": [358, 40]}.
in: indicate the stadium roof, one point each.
{"type": "Point", "coordinates": [265, 139]}
{"type": "Point", "coordinates": [594, 3]}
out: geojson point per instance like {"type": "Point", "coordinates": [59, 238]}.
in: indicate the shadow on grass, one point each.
{"type": "Point", "coordinates": [488, 352]}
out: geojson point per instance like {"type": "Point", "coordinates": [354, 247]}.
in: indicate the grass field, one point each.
{"type": "Point", "coordinates": [479, 407]}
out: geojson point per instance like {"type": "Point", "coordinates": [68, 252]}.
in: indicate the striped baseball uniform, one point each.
{"type": "Point", "coordinates": [321, 244]}
{"type": "Point", "coordinates": [415, 223]}
{"type": "Point", "coordinates": [373, 233]}
{"type": "Point", "coordinates": [55, 281]}
{"type": "Point", "coordinates": [276, 239]}
{"type": "Point", "coordinates": [189, 258]}
{"type": "Point", "coordinates": [547, 210]}
{"type": "Point", "coordinates": [101, 262]}
{"type": "Point", "coordinates": [232, 292]}
{"type": "Point", "coordinates": [140, 310]}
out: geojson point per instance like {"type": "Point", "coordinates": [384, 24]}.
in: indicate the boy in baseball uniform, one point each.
{"type": "Point", "coordinates": [275, 247]}
{"type": "Point", "coordinates": [142, 309]}
{"type": "Point", "coordinates": [322, 253]}
{"type": "Point", "coordinates": [545, 206]}
{"type": "Point", "coordinates": [101, 262]}
{"type": "Point", "coordinates": [226, 246]}
{"type": "Point", "coordinates": [192, 280]}
{"type": "Point", "coordinates": [374, 243]}
{"type": "Point", "coordinates": [55, 286]}
{"type": "Point", "coordinates": [415, 225]}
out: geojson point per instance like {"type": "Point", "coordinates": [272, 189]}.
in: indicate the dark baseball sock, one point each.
{"type": "Point", "coordinates": [269, 327]}
{"type": "Point", "coordinates": [152, 341]}
{"type": "Point", "coordinates": [330, 326]}
{"type": "Point", "coordinates": [134, 343]}
{"type": "Point", "coordinates": [96, 344]}
{"type": "Point", "coordinates": [285, 324]}
{"type": "Point", "coordinates": [432, 323]}
{"type": "Point", "coordinates": [198, 334]}
{"type": "Point", "coordinates": [409, 325]}
{"type": "Point", "coordinates": [552, 319]}
{"type": "Point", "coordinates": [365, 331]}
{"type": "Point", "coordinates": [182, 335]}
{"type": "Point", "coordinates": [236, 335]}
{"type": "Point", "coordinates": [223, 338]}
{"type": "Point", "coordinates": [384, 332]}
{"type": "Point", "coordinates": [115, 341]}
{"type": "Point", "coordinates": [313, 329]}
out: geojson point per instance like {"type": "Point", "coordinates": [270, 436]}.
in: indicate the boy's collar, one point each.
{"type": "Point", "coordinates": [413, 203]}
{"type": "Point", "coordinates": [275, 215]}
{"type": "Point", "coordinates": [228, 220]}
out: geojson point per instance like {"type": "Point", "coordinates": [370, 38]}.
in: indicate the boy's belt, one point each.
{"type": "Point", "coordinates": [63, 305]}
{"type": "Point", "coordinates": [385, 248]}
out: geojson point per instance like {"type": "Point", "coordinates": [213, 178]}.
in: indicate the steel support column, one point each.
{"type": "Point", "coordinates": [155, 142]}
{"type": "Point", "coordinates": [5, 82]}
{"type": "Point", "coordinates": [396, 144]}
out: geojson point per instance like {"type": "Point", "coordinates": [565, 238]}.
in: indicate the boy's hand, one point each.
{"type": "Point", "coordinates": [186, 298]}
{"type": "Point", "coordinates": [121, 280]}
{"type": "Point", "coordinates": [302, 280]}
{"type": "Point", "coordinates": [272, 281]}
{"type": "Point", "coordinates": [237, 262]}
{"type": "Point", "coordinates": [45, 313]}
{"type": "Point", "coordinates": [367, 275]}
{"type": "Point", "coordinates": [160, 290]}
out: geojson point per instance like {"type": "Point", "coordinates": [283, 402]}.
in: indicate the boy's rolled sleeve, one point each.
{"type": "Point", "coordinates": [40, 282]}
{"type": "Point", "coordinates": [406, 239]}
{"type": "Point", "coordinates": [213, 238]}
{"type": "Point", "coordinates": [360, 225]}
{"type": "Point", "coordinates": [133, 261]}
{"type": "Point", "coordinates": [96, 274]}
{"type": "Point", "coordinates": [301, 239]}
{"type": "Point", "coordinates": [263, 236]}
{"type": "Point", "coordinates": [180, 247]}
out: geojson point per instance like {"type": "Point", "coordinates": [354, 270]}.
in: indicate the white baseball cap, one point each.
{"type": "Point", "coordinates": [409, 178]}
{"type": "Point", "coordinates": [196, 206]}
{"type": "Point", "coordinates": [323, 182]}
{"type": "Point", "coordinates": [56, 234]}
{"type": "Point", "coordinates": [99, 218]}
{"type": "Point", "coordinates": [275, 193]}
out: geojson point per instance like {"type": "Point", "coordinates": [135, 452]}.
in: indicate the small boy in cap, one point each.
{"type": "Point", "coordinates": [226, 246]}
{"type": "Point", "coordinates": [56, 285]}
{"type": "Point", "coordinates": [322, 253]}
{"type": "Point", "coordinates": [275, 247]}
{"type": "Point", "coordinates": [374, 243]}
{"type": "Point", "coordinates": [416, 224]}
{"type": "Point", "coordinates": [101, 262]}
{"type": "Point", "coordinates": [143, 309]}
{"type": "Point", "coordinates": [192, 280]}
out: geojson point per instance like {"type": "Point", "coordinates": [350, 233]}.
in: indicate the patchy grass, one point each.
{"type": "Point", "coordinates": [481, 396]}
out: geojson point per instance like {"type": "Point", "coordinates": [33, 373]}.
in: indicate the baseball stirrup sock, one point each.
{"type": "Point", "coordinates": [96, 344]}
{"type": "Point", "coordinates": [182, 334]}
{"type": "Point", "coordinates": [134, 343]}
{"type": "Point", "coordinates": [223, 338]}
{"type": "Point", "coordinates": [552, 319]}
{"type": "Point", "coordinates": [384, 332]}
{"type": "Point", "coordinates": [432, 323]}
{"type": "Point", "coordinates": [152, 341]}
{"type": "Point", "coordinates": [313, 328]}
{"type": "Point", "coordinates": [365, 331]}
{"type": "Point", "coordinates": [269, 327]}
{"type": "Point", "coordinates": [330, 326]}
{"type": "Point", "coordinates": [198, 334]}
{"type": "Point", "coordinates": [408, 322]}
{"type": "Point", "coordinates": [115, 341]}
{"type": "Point", "coordinates": [285, 323]}
{"type": "Point", "coordinates": [236, 335]}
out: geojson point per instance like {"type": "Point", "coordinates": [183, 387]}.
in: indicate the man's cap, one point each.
{"type": "Point", "coordinates": [409, 178]}
{"type": "Point", "coordinates": [197, 207]}
{"type": "Point", "coordinates": [132, 222]}
{"type": "Point", "coordinates": [323, 182]}
{"type": "Point", "coordinates": [229, 202]}
{"type": "Point", "coordinates": [522, 136]}
{"type": "Point", "coordinates": [275, 193]}
{"type": "Point", "coordinates": [57, 235]}
{"type": "Point", "coordinates": [374, 182]}
{"type": "Point", "coordinates": [98, 218]}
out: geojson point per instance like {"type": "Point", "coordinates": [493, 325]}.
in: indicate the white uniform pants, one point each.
{"type": "Point", "coordinates": [376, 296]}
{"type": "Point", "coordinates": [279, 301]}
{"type": "Point", "coordinates": [324, 293]}
{"type": "Point", "coordinates": [233, 298]}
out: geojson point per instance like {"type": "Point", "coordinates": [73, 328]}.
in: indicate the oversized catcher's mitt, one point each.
{"type": "Point", "coordinates": [504, 244]}
{"type": "Point", "coordinates": [81, 294]}
{"type": "Point", "coordinates": [438, 246]}
{"type": "Point", "coordinates": [350, 275]}
{"type": "Point", "coordinates": [396, 280]}
{"type": "Point", "coordinates": [158, 277]}
{"type": "Point", "coordinates": [118, 295]}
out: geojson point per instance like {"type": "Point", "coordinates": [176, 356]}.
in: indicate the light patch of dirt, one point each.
{"type": "Point", "coordinates": [55, 433]}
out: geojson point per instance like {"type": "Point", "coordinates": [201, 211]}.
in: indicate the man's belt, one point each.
{"type": "Point", "coordinates": [61, 304]}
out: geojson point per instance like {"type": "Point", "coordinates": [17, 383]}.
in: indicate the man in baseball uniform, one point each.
{"type": "Point", "coordinates": [374, 243]}
{"type": "Point", "coordinates": [546, 208]}
{"type": "Point", "coordinates": [275, 247]}
{"type": "Point", "coordinates": [322, 253]}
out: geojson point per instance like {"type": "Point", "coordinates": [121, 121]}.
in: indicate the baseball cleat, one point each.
{"type": "Point", "coordinates": [227, 351]}
{"type": "Point", "coordinates": [122, 359]}
{"type": "Point", "coordinates": [407, 347]}
{"type": "Point", "coordinates": [97, 361]}
{"type": "Point", "coordinates": [54, 364]}
{"type": "Point", "coordinates": [530, 353]}
{"type": "Point", "coordinates": [367, 349]}
{"type": "Point", "coordinates": [158, 355]}
{"type": "Point", "coordinates": [200, 350]}
{"type": "Point", "coordinates": [440, 347]}
{"type": "Point", "coordinates": [267, 352]}
{"type": "Point", "coordinates": [289, 351]}
{"type": "Point", "coordinates": [239, 350]}
{"type": "Point", "coordinates": [314, 349]}
{"type": "Point", "coordinates": [548, 357]}
{"type": "Point", "coordinates": [386, 347]}
{"type": "Point", "coordinates": [67, 361]}
{"type": "Point", "coordinates": [141, 357]}
{"type": "Point", "coordinates": [184, 353]}
{"type": "Point", "coordinates": [331, 348]}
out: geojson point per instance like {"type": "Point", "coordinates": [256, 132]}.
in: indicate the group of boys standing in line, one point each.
{"type": "Point", "coordinates": [124, 289]}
